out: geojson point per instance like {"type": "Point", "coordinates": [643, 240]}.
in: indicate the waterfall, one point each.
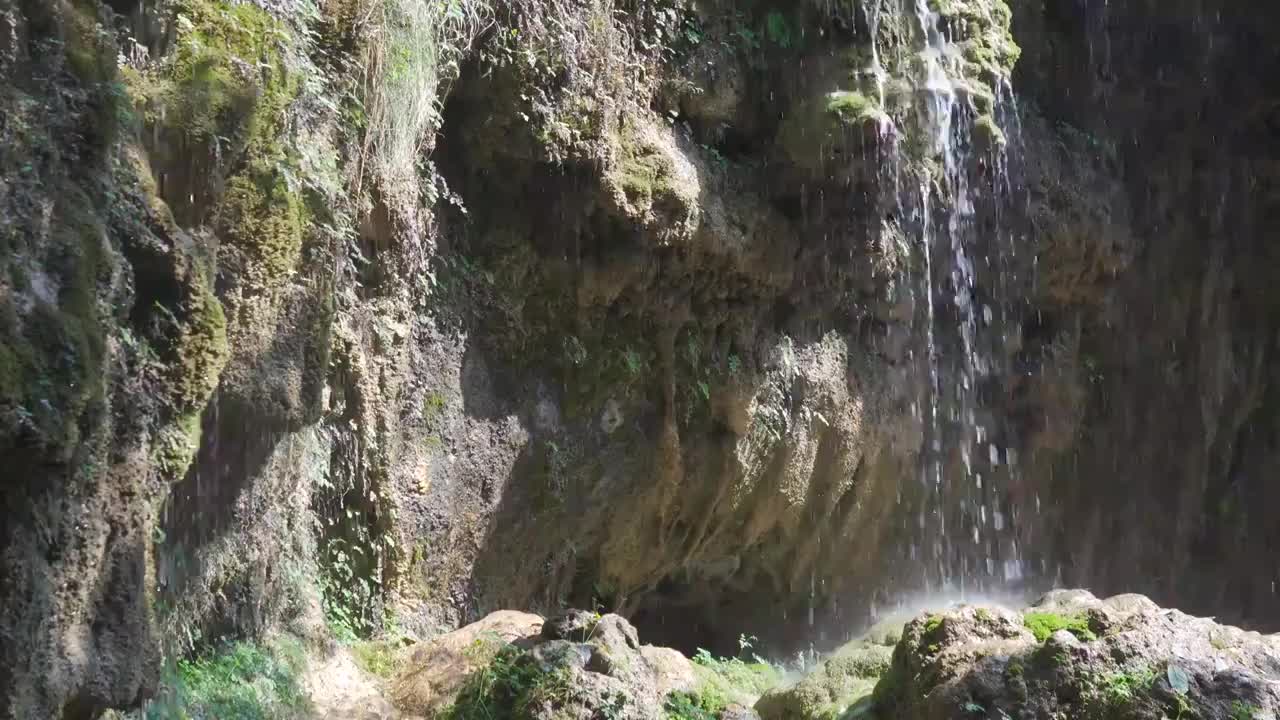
{"type": "Point", "coordinates": [961, 204]}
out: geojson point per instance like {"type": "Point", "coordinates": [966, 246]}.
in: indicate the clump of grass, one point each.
{"type": "Point", "coordinates": [412, 58]}
{"type": "Point", "coordinates": [243, 680]}
{"type": "Point", "coordinates": [1044, 624]}
{"type": "Point", "coordinates": [376, 657]}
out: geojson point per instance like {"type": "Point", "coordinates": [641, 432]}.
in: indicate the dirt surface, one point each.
{"type": "Point", "coordinates": [341, 690]}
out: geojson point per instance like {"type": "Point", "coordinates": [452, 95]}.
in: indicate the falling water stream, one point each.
{"type": "Point", "coordinates": [963, 532]}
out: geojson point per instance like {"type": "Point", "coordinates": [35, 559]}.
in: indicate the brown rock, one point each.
{"type": "Point", "coordinates": [437, 668]}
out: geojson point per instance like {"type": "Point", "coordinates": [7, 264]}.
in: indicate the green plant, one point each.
{"type": "Point", "coordinates": [376, 657]}
{"type": "Point", "coordinates": [704, 705]}
{"type": "Point", "coordinates": [1121, 690]}
{"type": "Point", "coordinates": [735, 677]}
{"type": "Point", "coordinates": [1243, 711]}
{"type": "Point", "coordinates": [348, 589]}
{"type": "Point", "coordinates": [778, 30]}
{"type": "Point", "coordinates": [511, 685]}
{"type": "Point", "coordinates": [432, 407]}
{"type": "Point", "coordinates": [1044, 624]}
{"type": "Point", "coordinates": [634, 362]}
{"type": "Point", "coordinates": [243, 680]}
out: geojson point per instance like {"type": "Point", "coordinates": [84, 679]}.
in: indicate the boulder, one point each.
{"type": "Point", "coordinates": [672, 670]}
{"type": "Point", "coordinates": [576, 666]}
{"type": "Point", "coordinates": [1073, 655]}
{"type": "Point", "coordinates": [437, 669]}
{"type": "Point", "coordinates": [840, 683]}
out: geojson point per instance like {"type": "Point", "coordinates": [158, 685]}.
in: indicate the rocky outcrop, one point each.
{"type": "Point", "coordinates": [1074, 655]}
{"type": "Point", "coordinates": [1069, 655]}
{"type": "Point", "coordinates": [576, 665]}
{"type": "Point", "coordinates": [435, 671]}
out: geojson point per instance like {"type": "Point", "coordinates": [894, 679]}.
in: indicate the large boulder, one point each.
{"type": "Point", "coordinates": [437, 669]}
{"type": "Point", "coordinates": [1073, 655]}
{"type": "Point", "coordinates": [578, 665]}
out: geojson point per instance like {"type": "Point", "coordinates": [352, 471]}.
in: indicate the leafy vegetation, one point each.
{"type": "Point", "coordinates": [1044, 624]}
{"type": "Point", "coordinates": [243, 681]}
{"type": "Point", "coordinates": [1243, 711]}
{"type": "Point", "coordinates": [510, 686]}
{"type": "Point", "coordinates": [704, 705]}
{"type": "Point", "coordinates": [723, 681]}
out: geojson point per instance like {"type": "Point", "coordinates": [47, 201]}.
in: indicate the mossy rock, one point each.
{"type": "Point", "coordinates": [650, 181]}
{"type": "Point", "coordinates": [51, 364]}
{"type": "Point", "coordinates": [842, 684]}
{"type": "Point", "coordinates": [830, 129]}
{"type": "Point", "coordinates": [221, 99]}
{"type": "Point", "coordinates": [197, 362]}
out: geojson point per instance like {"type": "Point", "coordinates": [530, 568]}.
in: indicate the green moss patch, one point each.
{"type": "Point", "coordinates": [223, 95]}
{"type": "Point", "coordinates": [1044, 624]}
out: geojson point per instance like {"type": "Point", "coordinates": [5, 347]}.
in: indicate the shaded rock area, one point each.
{"type": "Point", "coordinates": [1169, 108]}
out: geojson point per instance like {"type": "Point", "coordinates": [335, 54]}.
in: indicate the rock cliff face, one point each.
{"type": "Point", "coordinates": [1160, 291]}
{"type": "Point", "coordinates": [309, 309]}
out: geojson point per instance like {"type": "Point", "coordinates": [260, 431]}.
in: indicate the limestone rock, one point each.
{"type": "Point", "coordinates": [582, 665]}
{"type": "Point", "coordinates": [1118, 657]}
{"type": "Point", "coordinates": [672, 671]}
{"type": "Point", "coordinates": [437, 669]}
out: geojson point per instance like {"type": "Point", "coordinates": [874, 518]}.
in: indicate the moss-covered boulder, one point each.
{"type": "Point", "coordinates": [840, 686]}
{"type": "Point", "coordinates": [1073, 655]}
